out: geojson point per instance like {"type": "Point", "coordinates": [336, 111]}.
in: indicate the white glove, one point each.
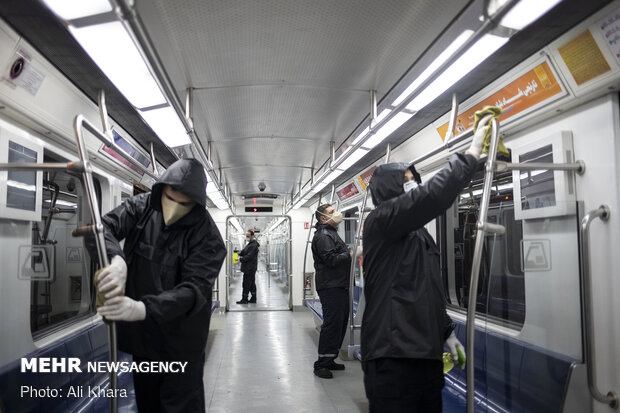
{"type": "Point", "coordinates": [122, 309]}
{"type": "Point", "coordinates": [475, 149]}
{"type": "Point", "coordinates": [453, 343]}
{"type": "Point", "coordinates": [359, 251]}
{"type": "Point", "coordinates": [111, 280]}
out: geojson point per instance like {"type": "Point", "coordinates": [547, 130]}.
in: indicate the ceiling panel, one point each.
{"type": "Point", "coordinates": [268, 71]}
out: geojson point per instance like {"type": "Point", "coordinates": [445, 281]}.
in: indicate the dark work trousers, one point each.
{"type": "Point", "coordinates": [249, 283]}
{"type": "Point", "coordinates": [403, 385]}
{"type": "Point", "coordinates": [170, 392]}
{"type": "Point", "coordinates": [335, 303]}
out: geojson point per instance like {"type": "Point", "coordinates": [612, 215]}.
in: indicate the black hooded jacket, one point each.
{"type": "Point", "coordinates": [332, 261]}
{"type": "Point", "coordinates": [170, 268]}
{"type": "Point", "coordinates": [405, 314]}
{"type": "Point", "coordinates": [249, 256]}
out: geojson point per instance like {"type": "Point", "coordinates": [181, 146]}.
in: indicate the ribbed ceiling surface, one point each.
{"type": "Point", "coordinates": [275, 81]}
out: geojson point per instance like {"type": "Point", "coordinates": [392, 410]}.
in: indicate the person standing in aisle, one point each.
{"type": "Point", "coordinates": [249, 262]}
{"type": "Point", "coordinates": [332, 263]}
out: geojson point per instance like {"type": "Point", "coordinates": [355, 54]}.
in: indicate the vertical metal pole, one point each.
{"type": "Point", "coordinates": [153, 160]}
{"type": "Point", "coordinates": [453, 113]}
{"type": "Point", "coordinates": [587, 320]}
{"type": "Point", "coordinates": [331, 197]}
{"type": "Point", "coordinates": [475, 269]}
{"type": "Point", "coordinates": [352, 271]}
{"type": "Point", "coordinates": [373, 107]}
{"type": "Point", "coordinates": [103, 113]}
{"type": "Point", "coordinates": [388, 153]}
{"type": "Point", "coordinates": [100, 242]}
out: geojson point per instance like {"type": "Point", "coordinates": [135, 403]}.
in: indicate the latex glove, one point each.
{"type": "Point", "coordinates": [111, 279]}
{"type": "Point", "coordinates": [475, 149]}
{"type": "Point", "coordinates": [453, 343]}
{"type": "Point", "coordinates": [359, 251]}
{"type": "Point", "coordinates": [122, 308]}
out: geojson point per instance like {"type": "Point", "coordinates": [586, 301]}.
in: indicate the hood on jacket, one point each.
{"type": "Point", "coordinates": [185, 175]}
{"type": "Point", "coordinates": [254, 240]}
{"type": "Point", "coordinates": [387, 182]}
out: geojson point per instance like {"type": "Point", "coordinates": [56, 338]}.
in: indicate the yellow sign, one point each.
{"type": "Point", "coordinates": [530, 89]}
{"type": "Point", "coordinates": [583, 58]}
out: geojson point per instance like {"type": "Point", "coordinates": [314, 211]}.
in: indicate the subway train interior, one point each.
{"type": "Point", "coordinates": [291, 104]}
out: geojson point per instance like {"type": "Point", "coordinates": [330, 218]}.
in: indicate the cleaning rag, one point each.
{"type": "Point", "coordinates": [494, 111]}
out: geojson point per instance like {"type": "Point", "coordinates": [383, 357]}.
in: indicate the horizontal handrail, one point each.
{"type": "Point", "coordinates": [578, 166]}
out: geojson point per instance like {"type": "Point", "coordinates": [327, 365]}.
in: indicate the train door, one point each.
{"type": "Point", "coordinates": [528, 314]}
{"type": "Point", "coordinates": [274, 267]}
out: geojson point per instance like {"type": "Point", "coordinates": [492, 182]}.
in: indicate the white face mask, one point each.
{"type": "Point", "coordinates": [336, 218]}
{"type": "Point", "coordinates": [409, 185]}
{"type": "Point", "coordinates": [173, 211]}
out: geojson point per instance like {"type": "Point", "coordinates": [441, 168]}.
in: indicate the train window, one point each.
{"type": "Point", "coordinates": [65, 294]}
{"type": "Point", "coordinates": [501, 287]}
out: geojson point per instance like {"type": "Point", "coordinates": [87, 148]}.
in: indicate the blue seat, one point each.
{"type": "Point", "coordinates": [510, 376]}
{"type": "Point", "coordinates": [88, 344]}
{"type": "Point", "coordinates": [214, 305]}
{"type": "Point", "coordinates": [314, 305]}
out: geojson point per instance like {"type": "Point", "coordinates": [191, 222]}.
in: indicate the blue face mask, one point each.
{"type": "Point", "coordinates": [408, 186]}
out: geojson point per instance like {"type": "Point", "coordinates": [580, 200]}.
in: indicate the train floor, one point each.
{"type": "Point", "coordinates": [271, 291]}
{"type": "Point", "coordinates": [261, 361]}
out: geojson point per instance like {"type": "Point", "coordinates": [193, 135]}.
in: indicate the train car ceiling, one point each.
{"type": "Point", "coordinates": [275, 82]}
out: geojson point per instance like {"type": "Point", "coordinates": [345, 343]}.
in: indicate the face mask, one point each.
{"type": "Point", "coordinates": [409, 185]}
{"type": "Point", "coordinates": [173, 211]}
{"type": "Point", "coordinates": [336, 218]}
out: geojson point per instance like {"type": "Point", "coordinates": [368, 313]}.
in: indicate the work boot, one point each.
{"type": "Point", "coordinates": [335, 366]}
{"type": "Point", "coordinates": [252, 300]}
{"type": "Point", "coordinates": [243, 301]}
{"type": "Point", "coordinates": [323, 373]}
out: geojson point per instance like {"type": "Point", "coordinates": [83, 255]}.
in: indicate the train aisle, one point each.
{"type": "Point", "coordinates": [271, 292]}
{"type": "Point", "coordinates": [260, 361]}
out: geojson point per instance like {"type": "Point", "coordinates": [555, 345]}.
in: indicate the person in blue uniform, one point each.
{"type": "Point", "coordinates": [405, 323]}
{"type": "Point", "coordinates": [249, 262]}
{"type": "Point", "coordinates": [172, 255]}
{"type": "Point", "coordinates": [332, 263]}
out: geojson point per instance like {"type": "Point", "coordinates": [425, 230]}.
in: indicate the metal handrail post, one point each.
{"type": "Point", "coordinates": [358, 233]}
{"type": "Point", "coordinates": [482, 227]}
{"type": "Point", "coordinates": [587, 320]}
{"type": "Point", "coordinates": [303, 271]}
{"type": "Point", "coordinates": [97, 229]}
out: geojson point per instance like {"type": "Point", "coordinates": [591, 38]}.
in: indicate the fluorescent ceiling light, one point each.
{"type": "Point", "coordinates": [329, 178]}
{"type": "Point", "coordinates": [476, 54]}
{"type": "Point", "coordinates": [526, 12]}
{"type": "Point", "coordinates": [235, 222]}
{"type": "Point", "coordinates": [113, 50]}
{"type": "Point", "coordinates": [319, 187]}
{"type": "Point", "coordinates": [167, 125]}
{"type": "Point", "coordinates": [351, 159]}
{"type": "Point", "coordinates": [220, 203]}
{"type": "Point", "coordinates": [445, 55]}
{"type": "Point", "coordinates": [387, 129]}
{"type": "Point", "coordinates": [74, 9]}
{"type": "Point", "coordinates": [382, 115]}
{"type": "Point", "coordinates": [361, 135]}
